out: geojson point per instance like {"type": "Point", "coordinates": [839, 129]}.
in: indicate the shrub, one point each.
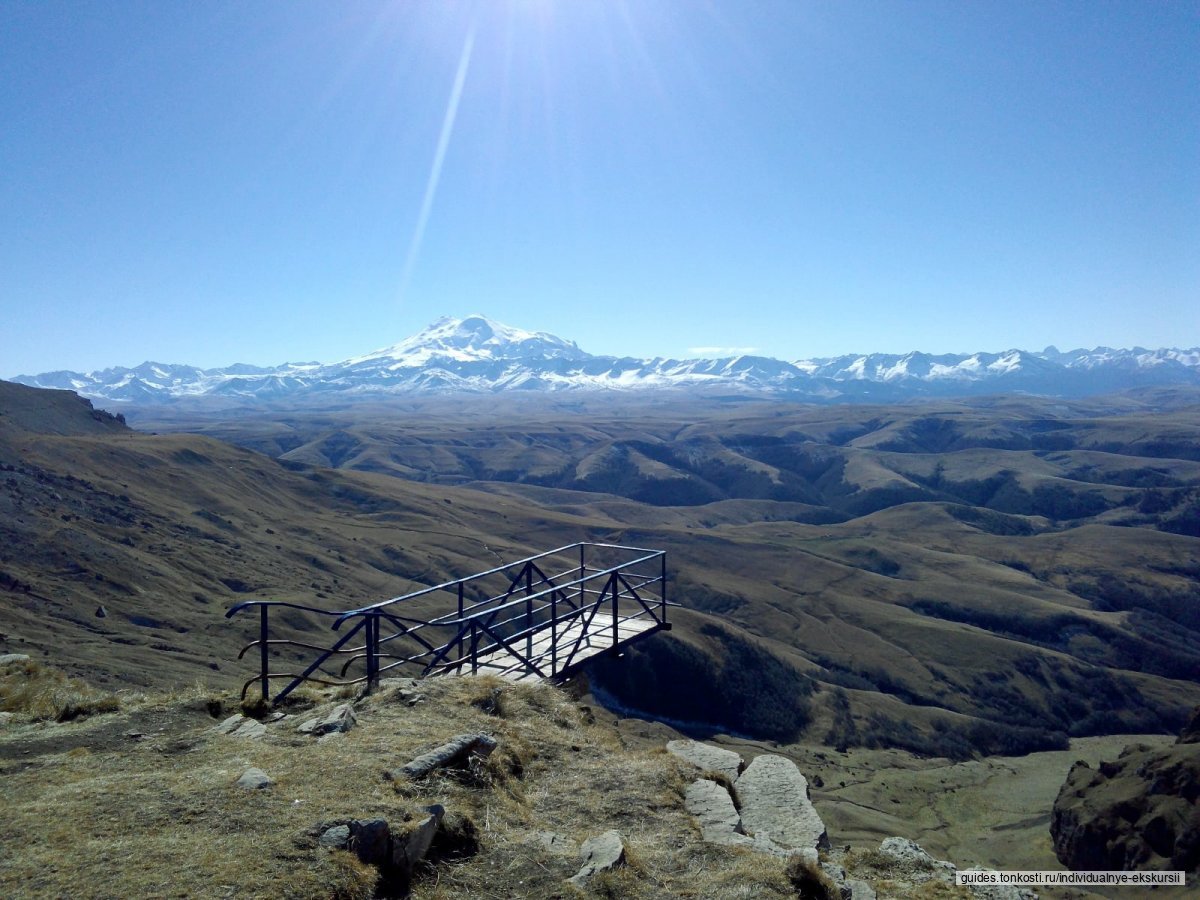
{"type": "Point", "coordinates": [40, 692]}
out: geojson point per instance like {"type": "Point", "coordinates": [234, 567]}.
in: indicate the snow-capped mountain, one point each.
{"type": "Point", "coordinates": [477, 354]}
{"type": "Point", "coordinates": [473, 339]}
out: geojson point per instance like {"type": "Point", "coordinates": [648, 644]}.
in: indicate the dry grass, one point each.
{"type": "Point", "coordinates": [38, 692]}
{"type": "Point", "coordinates": [810, 882]}
{"type": "Point", "coordinates": [143, 803]}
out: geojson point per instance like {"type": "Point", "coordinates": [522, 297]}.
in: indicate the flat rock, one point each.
{"type": "Point", "coordinates": [707, 757]}
{"type": "Point", "coordinates": [601, 853]}
{"type": "Point", "coordinates": [13, 657]}
{"type": "Point", "coordinates": [249, 728]}
{"type": "Point", "coordinates": [230, 724]}
{"type": "Point", "coordinates": [774, 798]}
{"type": "Point", "coordinates": [254, 779]}
{"type": "Point", "coordinates": [715, 813]}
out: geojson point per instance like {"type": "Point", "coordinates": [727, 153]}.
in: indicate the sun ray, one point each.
{"type": "Point", "coordinates": [439, 157]}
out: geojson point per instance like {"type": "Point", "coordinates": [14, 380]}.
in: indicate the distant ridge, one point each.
{"type": "Point", "coordinates": [479, 355]}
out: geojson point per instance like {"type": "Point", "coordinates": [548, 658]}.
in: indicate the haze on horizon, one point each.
{"type": "Point", "coordinates": [216, 183]}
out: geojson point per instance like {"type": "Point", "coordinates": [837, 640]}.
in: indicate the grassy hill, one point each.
{"type": "Point", "coordinates": [952, 579]}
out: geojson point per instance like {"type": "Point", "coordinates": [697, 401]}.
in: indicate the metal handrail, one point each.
{"type": "Point", "coordinates": [536, 597]}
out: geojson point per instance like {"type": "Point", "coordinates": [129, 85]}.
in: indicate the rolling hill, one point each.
{"type": "Point", "coordinates": [950, 578]}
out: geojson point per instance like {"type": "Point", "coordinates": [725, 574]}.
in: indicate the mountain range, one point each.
{"type": "Point", "coordinates": [478, 355]}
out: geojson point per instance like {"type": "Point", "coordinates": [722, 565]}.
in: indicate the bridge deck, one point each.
{"type": "Point", "coordinates": [599, 637]}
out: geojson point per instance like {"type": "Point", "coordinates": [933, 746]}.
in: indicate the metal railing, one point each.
{"type": "Point", "coordinates": [533, 616]}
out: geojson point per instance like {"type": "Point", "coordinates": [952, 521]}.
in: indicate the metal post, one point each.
{"type": "Point", "coordinates": [264, 653]}
{"type": "Point", "coordinates": [528, 614]}
{"type": "Point", "coordinates": [460, 615]}
{"type": "Point", "coordinates": [663, 588]}
{"type": "Point", "coordinates": [615, 591]}
{"type": "Point", "coordinates": [554, 634]}
{"type": "Point", "coordinates": [372, 650]}
{"type": "Point", "coordinates": [582, 574]}
{"type": "Point", "coordinates": [474, 650]}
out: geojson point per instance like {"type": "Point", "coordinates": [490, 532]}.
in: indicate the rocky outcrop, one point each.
{"type": "Point", "coordinates": [1137, 812]}
{"type": "Point", "coordinates": [775, 804]}
{"type": "Point", "coordinates": [395, 850]}
{"type": "Point", "coordinates": [775, 814]}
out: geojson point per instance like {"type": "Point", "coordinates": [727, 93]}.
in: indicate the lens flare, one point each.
{"type": "Point", "coordinates": [439, 157]}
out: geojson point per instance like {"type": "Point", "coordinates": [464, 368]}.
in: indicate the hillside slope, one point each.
{"type": "Point", "coordinates": [945, 628]}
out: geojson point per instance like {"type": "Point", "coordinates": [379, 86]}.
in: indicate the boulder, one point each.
{"type": "Point", "coordinates": [775, 804]}
{"type": "Point", "coordinates": [340, 720]}
{"type": "Point", "coordinates": [254, 779]}
{"type": "Point", "coordinates": [13, 657]}
{"type": "Point", "coordinates": [708, 758]}
{"type": "Point", "coordinates": [599, 854]}
{"type": "Point", "coordinates": [371, 841]}
{"type": "Point", "coordinates": [715, 813]}
{"type": "Point", "coordinates": [335, 838]}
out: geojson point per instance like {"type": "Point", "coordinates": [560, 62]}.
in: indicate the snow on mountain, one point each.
{"type": "Point", "coordinates": [478, 354]}
{"type": "Point", "coordinates": [473, 339]}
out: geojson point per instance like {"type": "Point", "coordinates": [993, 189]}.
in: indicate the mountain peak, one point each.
{"type": "Point", "coordinates": [472, 338]}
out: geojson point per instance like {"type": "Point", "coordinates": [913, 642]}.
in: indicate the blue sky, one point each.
{"type": "Point", "coordinates": [224, 182]}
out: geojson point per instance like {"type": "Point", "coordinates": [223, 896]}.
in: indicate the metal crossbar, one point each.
{"type": "Point", "coordinates": [529, 624]}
